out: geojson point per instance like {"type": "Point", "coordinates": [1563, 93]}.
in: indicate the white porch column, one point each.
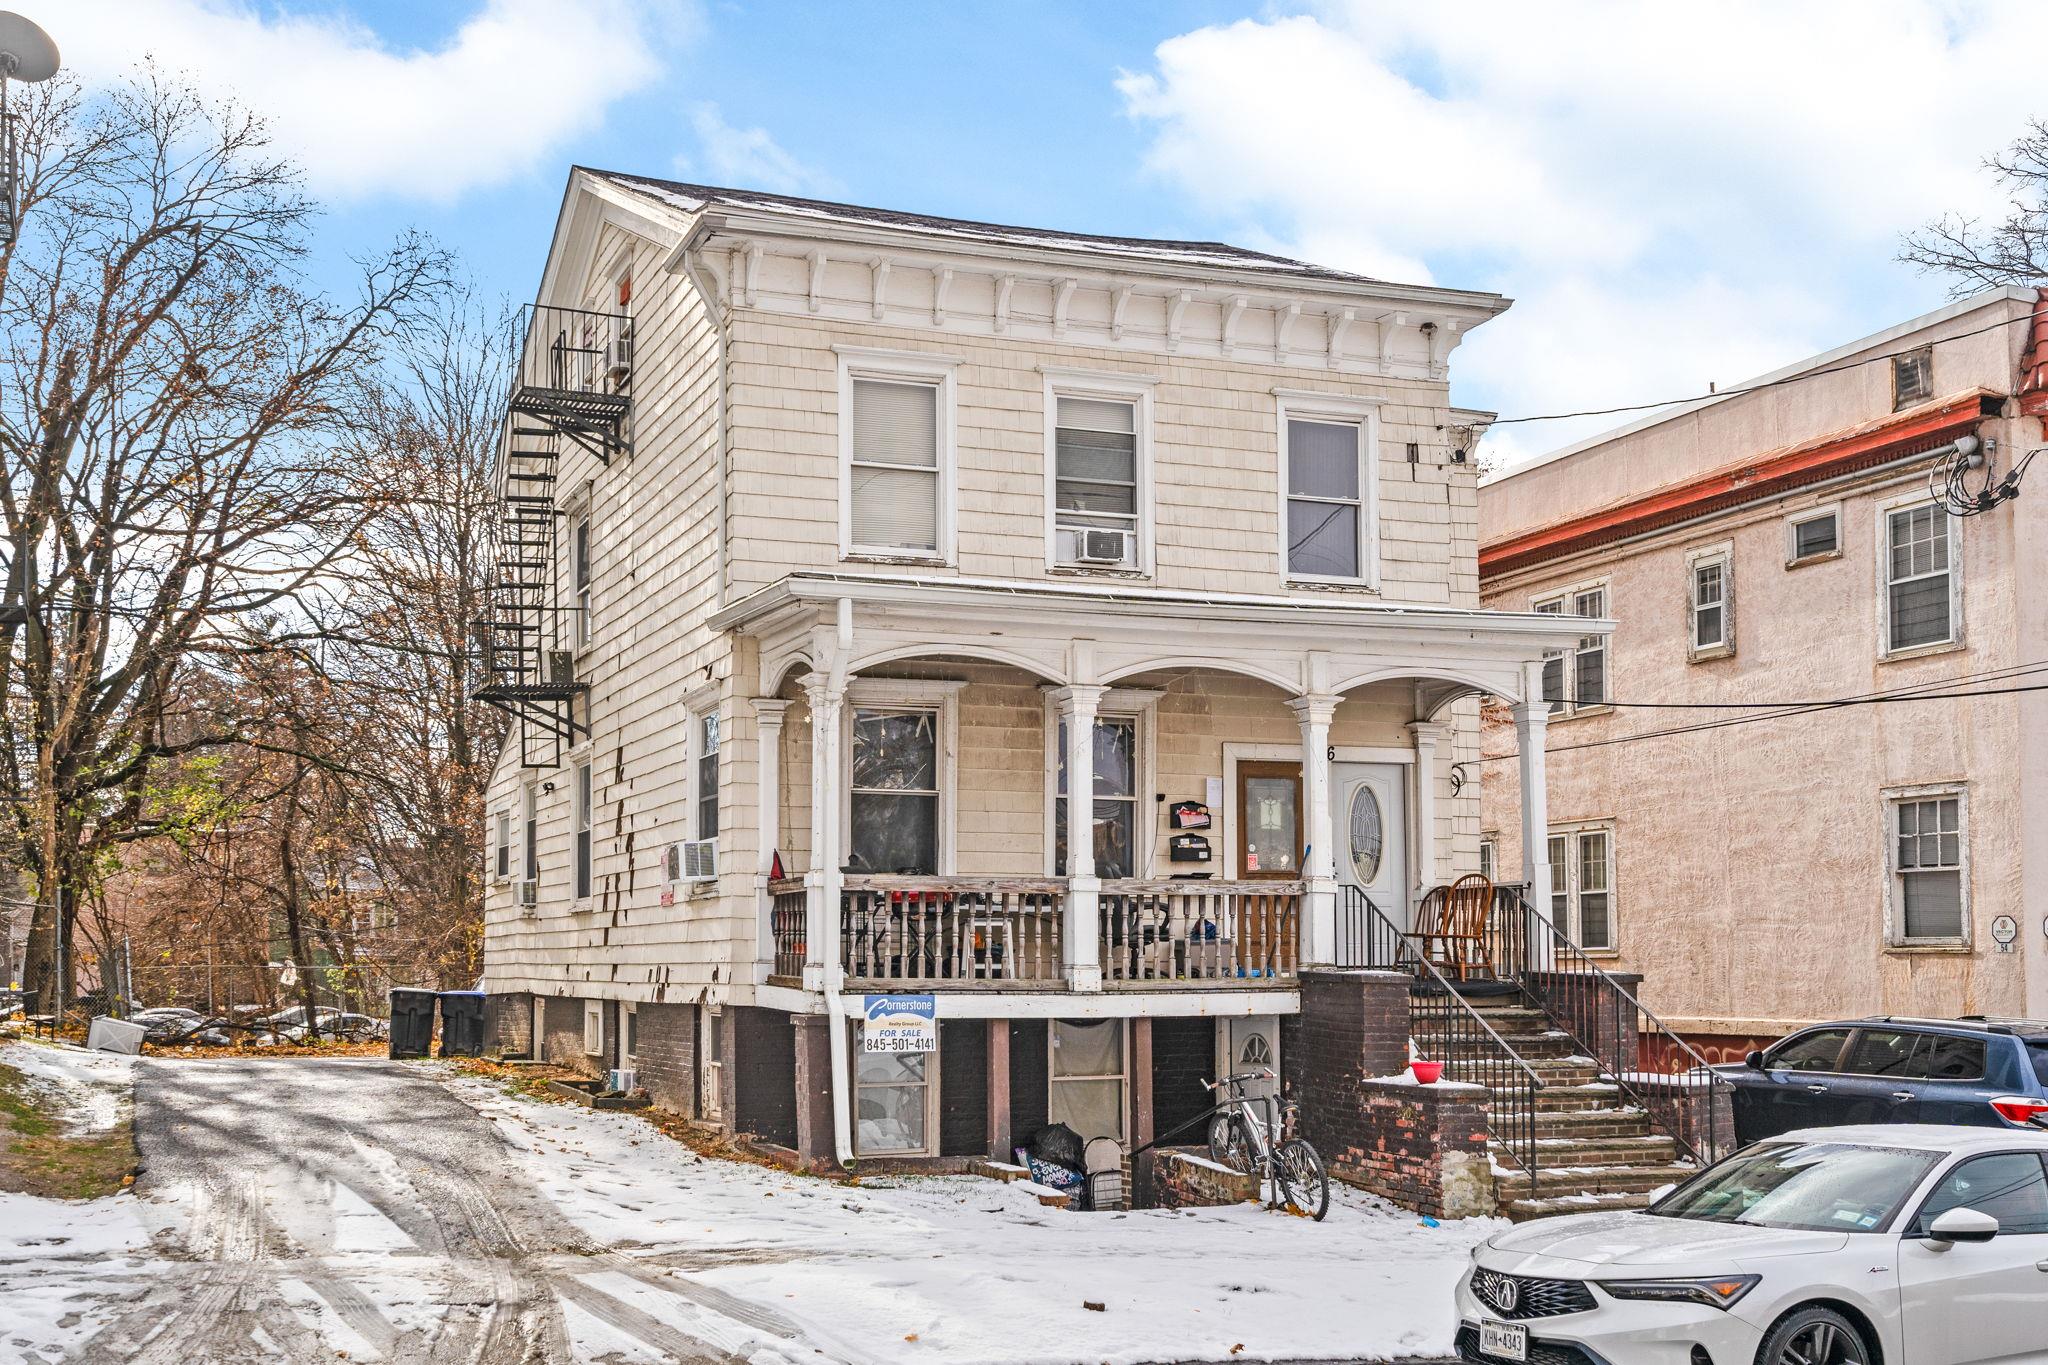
{"type": "Point", "coordinates": [1319, 903]}
{"type": "Point", "coordinates": [1077, 706]}
{"type": "Point", "coordinates": [822, 881]}
{"type": "Point", "coordinates": [1427, 735]}
{"type": "Point", "coordinates": [1532, 720]}
{"type": "Point", "coordinates": [768, 717]}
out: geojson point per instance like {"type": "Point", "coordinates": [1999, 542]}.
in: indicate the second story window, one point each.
{"type": "Point", "coordinates": [1920, 579]}
{"type": "Point", "coordinates": [501, 851]}
{"type": "Point", "coordinates": [1815, 535]}
{"type": "Point", "coordinates": [1711, 632]}
{"type": "Point", "coordinates": [580, 579]}
{"type": "Point", "coordinates": [582, 820]}
{"type": "Point", "coordinates": [1326, 512]}
{"type": "Point", "coordinates": [707, 775]}
{"type": "Point", "coordinates": [1576, 678]}
{"type": "Point", "coordinates": [529, 836]}
{"type": "Point", "coordinates": [1096, 511]}
{"type": "Point", "coordinates": [896, 460]}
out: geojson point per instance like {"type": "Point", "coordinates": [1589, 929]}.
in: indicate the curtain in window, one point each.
{"type": "Point", "coordinates": [895, 474]}
{"type": "Point", "coordinates": [1088, 1077]}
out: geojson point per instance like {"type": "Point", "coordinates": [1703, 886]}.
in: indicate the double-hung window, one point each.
{"type": "Point", "coordinates": [1098, 493]}
{"type": "Point", "coordinates": [1920, 579]}
{"type": "Point", "coordinates": [529, 837]}
{"type": "Point", "coordinates": [1711, 588]}
{"type": "Point", "coordinates": [1116, 799]}
{"type": "Point", "coordinates": [581, 822]}
{"type": "Point", "coordinates": [1327, 530]}
{"type": "Point", "coordinates": [896, 455]}
{"type": "Point", "coordinates": [580, 579]}
{"type": "Point", "coordinates": [1929, 883]}
{"type": "Point", "coordinates": [501, 846]}
{"type": "Point", "coordinates": [1576, 678]}
{"type": "Point", "coordinates": [707, 775]}
{"type": "Point", "coordinates": [1582, 885]}
{"type": "Point", "coordinates": [895, 790]}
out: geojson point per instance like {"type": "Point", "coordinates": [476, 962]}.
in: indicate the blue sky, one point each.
{"type": "Point", "coordinates": [1674, 194]}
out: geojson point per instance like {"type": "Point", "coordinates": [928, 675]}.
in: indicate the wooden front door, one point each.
{"type": "Point", "coordinates": [1269, 828]}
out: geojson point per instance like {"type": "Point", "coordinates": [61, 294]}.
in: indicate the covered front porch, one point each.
{"type": "Point", "coordinates": [1255, 763]}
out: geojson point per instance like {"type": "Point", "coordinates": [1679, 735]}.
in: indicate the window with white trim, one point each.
{"type": "Point", "coordinates": [580, 814]}
{"type": "Point", "coordinates": [707, 734]}
{"type": "Point", "coordinates": [892, 1096]}
{"type": "Point", "coordinates": [1930, 892]}
{"type": "Point", "coordinates": [629, 1031]}
{"type": "Point", "coordinates": [894, 803]}
{"type": "Point", "coordinates": [584, 625]}
{"type": "Point", "coordinates": [1489, 858]}
{"type": "Point", "coordinates": [1098, 499]}
{"type": "Point", "coordinates": [1582, 884]}
{"type": "Point", "coordinates": [593, 1028]}
{"type": "Point", "coordinates": [501, 846]}
{"type": "Point", "coordinates": [1711, 585]}
{"type": "Point", "coordinates": [1812, 536]}
{"type": "Point", "coordinates": [1087, 1080]}
{"type": "Point", "coordinates": [1326, 525]}
{"type": "Point", "coordinates": [896, 462]}
{"type": "Point", "coordinates": [1576, 678]}
{"type": "Point", "coordinates": [529, 839]}
{"type": "Point", "coordinates": [1920, 578]}
{"type": "Point", "coordinates": [1116, 798]}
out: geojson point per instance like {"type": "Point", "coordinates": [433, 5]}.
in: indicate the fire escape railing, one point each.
{"type": "Point", "coordinates": [571, 391]}
{"type": "Point", "coordinates": [1636, 1050]}
{"type": "Point", "coordinates": [1445, 1028]}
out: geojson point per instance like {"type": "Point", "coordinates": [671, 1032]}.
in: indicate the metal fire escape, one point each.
{"type": "Point", "coordinates": [572, 393]}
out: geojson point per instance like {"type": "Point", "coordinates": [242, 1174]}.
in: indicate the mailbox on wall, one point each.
{"type": "Point", "coordinates": [1188, 848]}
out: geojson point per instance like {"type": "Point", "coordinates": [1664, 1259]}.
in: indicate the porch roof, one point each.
{"type": "Point", "coordinates": [1100, 632]}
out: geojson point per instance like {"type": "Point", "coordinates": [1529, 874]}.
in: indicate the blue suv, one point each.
{"type": "Point", "coordinates": [1987, 1072]}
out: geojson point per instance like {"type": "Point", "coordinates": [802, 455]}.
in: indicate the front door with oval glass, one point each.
{"type": "Point", "coordinates": [1370, 806]}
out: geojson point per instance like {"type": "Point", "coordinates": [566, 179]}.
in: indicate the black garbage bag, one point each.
{"type": "Point", "coordinates": [1058, 1144]}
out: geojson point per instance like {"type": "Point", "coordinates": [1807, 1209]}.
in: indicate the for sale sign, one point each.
{"type": "Point", "coordinates": [899, 1023]}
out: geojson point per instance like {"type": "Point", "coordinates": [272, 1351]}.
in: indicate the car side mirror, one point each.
{"type": "Point", "coordinates": [1962, 1225]}
{"type": "Point", "coordinates": [1754, 1061]}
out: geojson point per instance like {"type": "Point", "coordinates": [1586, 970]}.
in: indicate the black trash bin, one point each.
{"type": "Point", "coordinates": [462, 1023]}
{"type": "Point", "coordinates": [412, 1022]}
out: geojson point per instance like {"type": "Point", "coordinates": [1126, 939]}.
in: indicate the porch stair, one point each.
{"type": "Point", "coordinates": [1594, 1150]}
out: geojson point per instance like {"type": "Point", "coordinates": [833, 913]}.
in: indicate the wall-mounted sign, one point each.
{"type": "Point", "coordinates": [2004, 930]}
{"type": "Point", "coordinates": [1188, 815]}
{"type": "Point", "coordinates": [899, 1023]}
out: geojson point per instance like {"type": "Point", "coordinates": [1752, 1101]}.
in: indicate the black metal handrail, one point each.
{"type": "Point", "coordinates": [1445, 1027]}
{"type": "Point", "coordinates": [574, 350]}
{"type": "Point", "coordinates": [1610, 1025]}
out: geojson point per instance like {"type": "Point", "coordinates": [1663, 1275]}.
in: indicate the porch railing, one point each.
{"type": "Point", "coordinates": [1610, 1025]}
{"type": "Point", "coordinates": [952, 930]}
{"type": "Point", "coordinates": [788, 925]}
{"type": "Point", "coordinates": [1445, 1028]}
{"type": "Point", "coordinates": [1164, 931]}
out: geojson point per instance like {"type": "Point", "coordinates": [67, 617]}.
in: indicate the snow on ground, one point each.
{"type": "Point", "coordinates": [94, 1089]}
{"type": "Point", "coordinates": [957, 1268]}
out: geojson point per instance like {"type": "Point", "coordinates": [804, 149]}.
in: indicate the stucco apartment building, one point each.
{"type": "Point", "coordinates": [1782, 543]}
{"type": "Point", "coordinates": [840, 544]}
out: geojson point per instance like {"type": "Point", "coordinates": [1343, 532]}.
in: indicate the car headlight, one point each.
{"type": "Point", "coordinates": [1719, 1291]}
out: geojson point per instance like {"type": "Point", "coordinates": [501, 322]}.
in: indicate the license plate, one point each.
{"type": "Point", "coordinates": [1504, 1339]}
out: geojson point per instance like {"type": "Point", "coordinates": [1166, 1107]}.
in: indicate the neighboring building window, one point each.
{"type": "Point", "coordinates": [1713, 593]}
{"type": "Point", "coordinates": [581, 815]}
{"type": "Point", "coordinates": [1930, 894]}
{"type": "Point", "coordinates": [581, 579]}
{"type": "Point", "coordinates": [593, 1028]}
{"type": "Point", "coordinates": [1577, 677]}
{"type": "Point", "coordinates": [1489, 858]}
{"type": "Point", "coordinates": [1096, 495]}
{"type": "Point", "coordinates": [1818, 536]}
{"type": "Point", "coordinates": [1087, 1077]}
{"type": "Point", "coordinates": [707, 775]}
{"type": "Point", "coordinates": [894, 483]}
{"type": "Point", "coordinates": [501, 852]}
{"type": "Point", "coordinates": [1326, 485]}
{"type": "Point", "coordinates": [1919, 578]}
{"type": "Point", "coordinates": [1582, 885]}
{"type": "Point", "coordinates": [1912, 378]}
{"type": "Point", "coordinates": [1116, 799]}
{"type": "Point", "coordinates": [895, 791]}
{"type": "Point", "coordinates": [892, 1103]}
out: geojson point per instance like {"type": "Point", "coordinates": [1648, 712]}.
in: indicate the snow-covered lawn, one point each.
{"type": "Point", "coordinates": [963, 1269]}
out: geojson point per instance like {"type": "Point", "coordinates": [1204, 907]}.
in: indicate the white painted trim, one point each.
{"type": "Point", "coordinates": [901, 367]}
{"type": "Point", "coordinates": [1723, 554]}
{"type": "Point", "coordinates": [941, 695]}
{"type": "Point", "coordinates": [1139, 704]}
{"type": "Point", "coordinates": [1894, 901]}
{"type": "Point", "coordinates": [1567, 879]}
{"type": "Point", "coordinates": [1134, 389]}
{"type": "Point", "coordinates": [1336, 409]}
{"type": "Point", "coordinates": [1794, 520]}
{"type": "Point", "coordinates": [1568, 596]}
{"type": "Point", "coordinates": [1884, 511]}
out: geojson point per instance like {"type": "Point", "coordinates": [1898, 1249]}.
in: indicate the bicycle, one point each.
{"type": "Point", "coordinates": [1244, 1139]}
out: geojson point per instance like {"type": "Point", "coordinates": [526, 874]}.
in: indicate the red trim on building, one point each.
{"type": "Point", "coordinates": [2033, 385]}
{"type": "Point", "coordinates": [1831, 456]}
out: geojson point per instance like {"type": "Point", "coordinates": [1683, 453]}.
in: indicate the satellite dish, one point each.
{"type": "Point", "coordinates": [26, 52]}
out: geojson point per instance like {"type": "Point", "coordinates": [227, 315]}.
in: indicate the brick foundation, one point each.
{"type": "Point", "coordinates": [1186, 1180]}
{"type": "Point", "coordinates": [508, 1024]}
{"type": "Point", "coordinates": [667, 1059]}
{"type": "Point", "coordinates": [561, 1040]}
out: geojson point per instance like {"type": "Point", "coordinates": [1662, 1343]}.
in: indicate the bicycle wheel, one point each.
{"type": "Point", "coordinates": [1229, 1143]}
{"type": "Point", "coordinates": [1303, 1182]}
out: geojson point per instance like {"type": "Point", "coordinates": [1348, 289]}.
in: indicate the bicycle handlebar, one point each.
{"type": "Point", "coordinates": [1264, 1073]}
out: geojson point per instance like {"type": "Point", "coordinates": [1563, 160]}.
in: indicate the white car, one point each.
{"type": "Point", "coordinates": [1883, 1245]}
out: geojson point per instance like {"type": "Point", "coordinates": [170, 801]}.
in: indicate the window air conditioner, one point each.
{"type": "Point", "coordinates": [1103, 547]}
{"type": "Point", "coordinates": [693, 860]}
{"type": "Point", "coordinates": [618, 357]}
{"type": "Point", "coordinates": [529, 895]}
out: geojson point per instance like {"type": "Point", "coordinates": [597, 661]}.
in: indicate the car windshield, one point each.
{"type": "Point", "coordinates": [1812, 1186]}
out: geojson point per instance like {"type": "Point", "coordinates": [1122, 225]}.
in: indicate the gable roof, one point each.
{"type": "Point", "coordinates": [693, 198]}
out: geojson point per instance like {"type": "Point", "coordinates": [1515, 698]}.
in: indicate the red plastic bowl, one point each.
{"type": "Point", "coordinates": [1428, 1073]}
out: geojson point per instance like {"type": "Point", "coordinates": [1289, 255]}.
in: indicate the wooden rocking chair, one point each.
{"type": "Point", "coordinates": [1457, 939]}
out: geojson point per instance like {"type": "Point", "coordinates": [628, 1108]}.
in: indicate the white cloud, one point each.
{"type": "Point", "coordinates": [747, 158]}
{"type": "Point", "coordinates": [1673, 194]}
{"type": "Point", "coordinates": [502, 95]}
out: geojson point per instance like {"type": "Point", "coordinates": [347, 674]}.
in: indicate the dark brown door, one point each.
{"type": "Point", "coordinates": [1269, 824]}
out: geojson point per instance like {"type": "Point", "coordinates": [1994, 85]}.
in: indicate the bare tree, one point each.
{"type": "Point", "coordinates": [2013, 250]}
{"type": "Point", "coordinates": [178, 408]}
